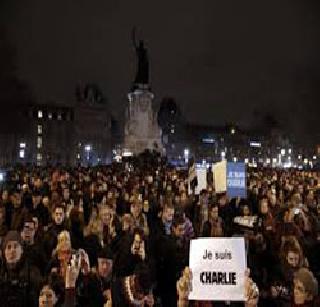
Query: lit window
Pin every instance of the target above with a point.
(172, 131)
(59, 116)
(39, 129)
(39, 142)
(21, 154)
(40, 114)
(233, 131)
(78, 156)
(50, 115)
(22, 145)
(39, 156)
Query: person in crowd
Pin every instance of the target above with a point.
(119, 234)
(214, 226)
(33, 252)
(58, 224)
(19, 280)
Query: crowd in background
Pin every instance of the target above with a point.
(119, 235)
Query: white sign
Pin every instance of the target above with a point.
(201, 174)
(220, 176)
(202, 180)
(218, 269)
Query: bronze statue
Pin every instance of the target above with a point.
(142, 74)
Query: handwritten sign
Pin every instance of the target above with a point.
(218, 269)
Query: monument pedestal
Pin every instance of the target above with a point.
(141, 126)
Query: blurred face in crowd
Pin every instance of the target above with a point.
(106, 215)
(66, 194)
(177, 199)
(36, 223)
(36, 199)
(5, 195)
(137, 242)
(214, 213)
(273, 200)
(58, 216)
(222, 201)
(13, 252)
(167, 215)
(293, 259)
(109, 195)
(38, 183)
(136, 208)
(246, 211)
(104, 267)
(64, 252)
(179, 230)
(28, 232)
(47, 297)
(45, 201)
(264, 206)
(126, 222)
(16, 200)
(184, 198)
(300, 294)
(2, 215)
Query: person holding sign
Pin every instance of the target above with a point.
(218, 269)
(184, 285)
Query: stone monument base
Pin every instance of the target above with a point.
(141, 126)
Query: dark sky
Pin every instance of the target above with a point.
(221, 60)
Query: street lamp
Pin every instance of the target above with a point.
(88, 149)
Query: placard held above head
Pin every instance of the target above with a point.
(218, 269)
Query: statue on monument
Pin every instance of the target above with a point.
(142, 75)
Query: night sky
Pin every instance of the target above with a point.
(223, 61)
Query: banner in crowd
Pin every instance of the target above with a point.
(220, 179)
(218, 269)
(236, 180)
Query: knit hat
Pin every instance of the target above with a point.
(105, 253)
(309, 281)
(11, 236)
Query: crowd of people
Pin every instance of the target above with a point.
(119, 235)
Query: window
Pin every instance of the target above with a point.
(39, 142)
(39, 156)
(39, 129)
(40, 114)
(172, 131)
(21, 154)
(22, 145)
(59, 116)
(50, 115)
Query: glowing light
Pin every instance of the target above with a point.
(87, 148)
(255, 144)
